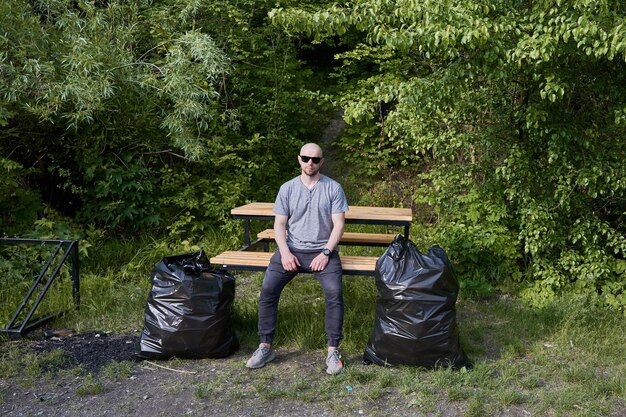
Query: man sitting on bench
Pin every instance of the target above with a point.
(312, 207)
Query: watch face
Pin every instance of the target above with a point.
(326, 252)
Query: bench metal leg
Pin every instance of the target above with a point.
(246, 232)
(75, 274)
(42, 284)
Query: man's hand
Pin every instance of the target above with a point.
(289, 261)
(319, 262)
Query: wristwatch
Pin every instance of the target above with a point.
(326, 251)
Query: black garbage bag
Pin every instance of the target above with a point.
(188, 312)
(415, 309)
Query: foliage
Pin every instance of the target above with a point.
(78, 64)
(103, 99)
(511, 116)
(121, 191)
(18, 204)
(501, 123)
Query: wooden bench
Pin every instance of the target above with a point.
(389, 216)
(248, 258)
(258, 261)
(348, 238)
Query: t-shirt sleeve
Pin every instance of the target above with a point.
(340, 202)
(281, 205)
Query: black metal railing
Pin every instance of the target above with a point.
(66, 249)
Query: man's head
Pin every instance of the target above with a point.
(311, 159)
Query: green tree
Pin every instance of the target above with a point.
(18, 203)
(506, 117)
(153, 113)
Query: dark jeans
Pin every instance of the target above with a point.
(275, 280)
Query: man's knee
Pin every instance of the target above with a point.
(332, 283)
(270, 289)
(333, 295)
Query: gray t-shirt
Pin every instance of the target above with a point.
(310, 211)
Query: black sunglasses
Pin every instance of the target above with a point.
(316, 159)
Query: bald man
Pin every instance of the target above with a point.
(311, 208)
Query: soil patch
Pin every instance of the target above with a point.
(197, 387)
(90, 351)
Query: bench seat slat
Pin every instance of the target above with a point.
(363, 213)
(347, 238)
(234, 259)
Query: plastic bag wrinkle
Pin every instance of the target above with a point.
(188, 311)
(415, 320)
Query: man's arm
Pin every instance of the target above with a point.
(339, 221)
(321, 260)
(289, 261)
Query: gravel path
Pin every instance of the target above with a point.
(215, 387)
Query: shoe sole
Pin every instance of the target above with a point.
(262, 364)
(334, 373)
(338, 371)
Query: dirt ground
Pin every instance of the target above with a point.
(207, 387)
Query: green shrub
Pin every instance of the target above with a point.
(19, 204)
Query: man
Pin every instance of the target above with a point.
(311, 208)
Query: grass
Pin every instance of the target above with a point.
(20, 265)
(207, 389)
(90, 386)
(563, 360)
(567, 359)
(117, 371)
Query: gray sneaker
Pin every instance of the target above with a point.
(260, 357)
(333, 362)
